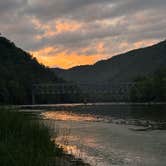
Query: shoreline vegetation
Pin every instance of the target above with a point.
(26, 141)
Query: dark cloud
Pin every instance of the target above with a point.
(8, 5)
(88, 10)
(60, 8)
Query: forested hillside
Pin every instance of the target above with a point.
(18, 71)
(121, 68)
(150, 89)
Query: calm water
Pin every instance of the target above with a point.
(102, 136)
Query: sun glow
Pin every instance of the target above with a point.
(63, 59)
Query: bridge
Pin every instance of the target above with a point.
(112, 91)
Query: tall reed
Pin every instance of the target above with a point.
(25, 141)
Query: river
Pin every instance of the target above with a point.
(103, 135)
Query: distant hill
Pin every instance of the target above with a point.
(121, 68)
(18, 71)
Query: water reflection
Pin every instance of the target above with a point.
(68, 116)
(86, 133)
(82, 147)
(118, 111)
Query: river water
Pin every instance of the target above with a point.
(103, 135)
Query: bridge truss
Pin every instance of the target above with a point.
(116, 91)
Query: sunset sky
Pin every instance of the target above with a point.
(66, 33)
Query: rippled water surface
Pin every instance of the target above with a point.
(102, 135)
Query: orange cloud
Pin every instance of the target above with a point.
(100, 47)
(63, 59)
(144, 43)
(49, 30)
(49, 57)
(63, 26)
(55, 27)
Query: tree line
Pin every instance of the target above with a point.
(150, 88)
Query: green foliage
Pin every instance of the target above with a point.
(25, 142)
(150, 89)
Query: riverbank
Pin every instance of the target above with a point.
(24, 140)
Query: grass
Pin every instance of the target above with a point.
(25, 142)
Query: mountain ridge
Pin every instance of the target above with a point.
(118, 68)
